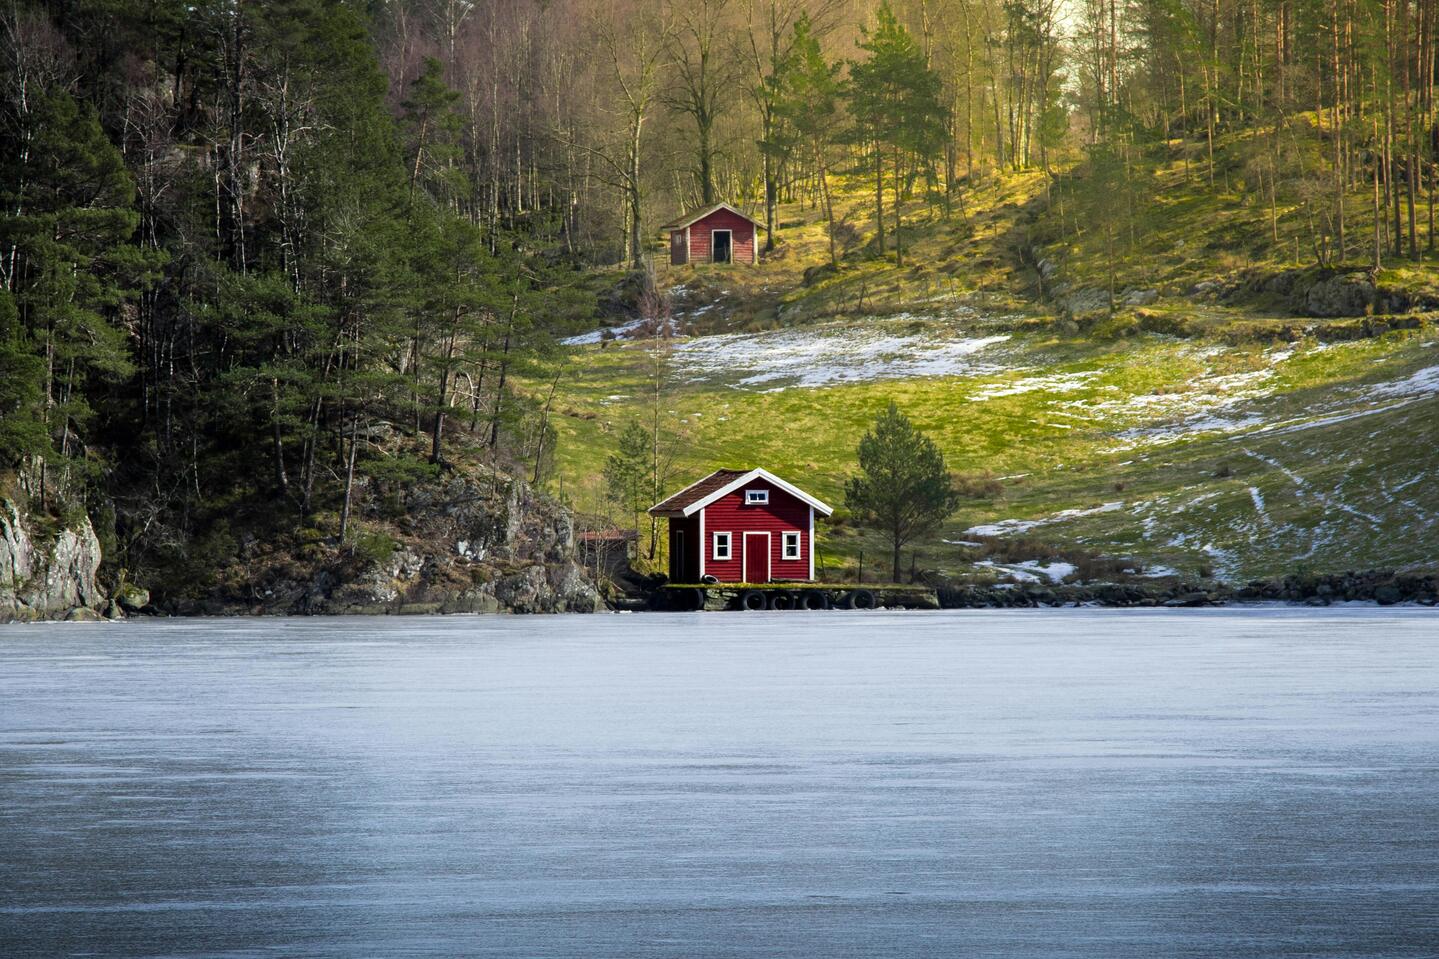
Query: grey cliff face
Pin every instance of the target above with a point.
(46, 579)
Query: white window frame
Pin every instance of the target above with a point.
(756, 497)
(790, 545)
(715, 546)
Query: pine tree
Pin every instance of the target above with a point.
(904, 489)
(22, 390)
(70, 268)
(629, 471)
(895, 102)
(433, 127)
(807, 107)
(460, 302)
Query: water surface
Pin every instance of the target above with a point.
(1037, 784)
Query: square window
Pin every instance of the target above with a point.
(791, 546)
(756, 496)
(721, 547)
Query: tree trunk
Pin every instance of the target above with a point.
(1338, 134)
(1378, 206)
(636, 238)
(770, 192)
(544, 428)
(349, 477)
(282, 482)
(879, 195)
(308, 467)
(706, 158)
(504, 369)
(898, 237)
(828, 205)
(437, 430)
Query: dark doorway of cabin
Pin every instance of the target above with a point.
(722, 242)
(681, 565)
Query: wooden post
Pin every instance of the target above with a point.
(859, 578)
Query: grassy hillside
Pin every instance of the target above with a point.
(1225, 437)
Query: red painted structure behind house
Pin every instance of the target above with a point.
(717, 234)
(741, 526)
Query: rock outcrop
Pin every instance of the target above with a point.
(1384, 587)
(1322, 293)
(1131, 594)
(1088, 300)
(47, 575)
(1347, 294)
(460, 545)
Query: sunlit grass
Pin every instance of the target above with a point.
(1297, 469)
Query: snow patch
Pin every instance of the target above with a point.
(596, 336)
(1193, 426)
(1305, 488)
(1031, 570)
(1054, 383)
(1209, 405)
(1225, 562)
(1411, 389)
(1009, 527)
(823, 356)
(1422, 383)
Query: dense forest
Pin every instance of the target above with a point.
(252, 252)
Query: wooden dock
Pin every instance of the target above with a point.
(787, 596)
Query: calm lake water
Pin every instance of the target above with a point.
(1040, 784)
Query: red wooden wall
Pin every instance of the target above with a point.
(742, 240)
(784, 513)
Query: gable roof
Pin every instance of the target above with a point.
(696, 491)
(700, 494)
(695, 217)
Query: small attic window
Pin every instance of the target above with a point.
(756, 497)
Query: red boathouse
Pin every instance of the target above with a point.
(716, 234)
(741, 526)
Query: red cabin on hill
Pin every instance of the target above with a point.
(741, 526)
(717, 234)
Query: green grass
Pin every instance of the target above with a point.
(1308, 469)
(1188, 502)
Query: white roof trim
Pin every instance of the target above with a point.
(687, 221)
(750, 477)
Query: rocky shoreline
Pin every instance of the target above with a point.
(466, 546)
(1381, 587)
(459, 545)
